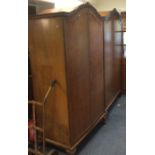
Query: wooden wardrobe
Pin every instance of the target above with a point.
(68, 48)
(112, 55)
(123, 15)
(31, 11)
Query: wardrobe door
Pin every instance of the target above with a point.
(78, 70)
(96, 65)
(117, 54)
(109, 62)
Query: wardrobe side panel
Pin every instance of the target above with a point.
(117, 54)
(96, 65)
(46, 47)
(109, 63)
(77, 58)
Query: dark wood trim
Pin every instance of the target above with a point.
(31, 10)
(90, 129)
(30, 75)
(113, 100)
(115, 12)
(119, 45)
(120, 31)
(85, 134)
(111, 14)
(104, 98)
(66, 76)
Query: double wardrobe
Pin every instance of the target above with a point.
(81, 51)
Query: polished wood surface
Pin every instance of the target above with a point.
(81, 51)
(123, 15)
(85, 70)
(46, 46)
(68, 47)
(118, 52)
(109, 63)
(96, 65)
(31, 11)
(112, 55)
(30, 89)
(77, 58)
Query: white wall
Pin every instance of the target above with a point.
(106, 5)
(68, 5)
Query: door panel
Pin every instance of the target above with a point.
(78, 70)
(96, 66)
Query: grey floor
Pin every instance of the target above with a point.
(108, 139)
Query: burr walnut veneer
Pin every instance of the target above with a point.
(68, 48)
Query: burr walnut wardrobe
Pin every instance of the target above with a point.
(68, 48)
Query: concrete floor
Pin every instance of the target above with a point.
(108, 139)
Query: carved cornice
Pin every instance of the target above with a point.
(67, 14)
